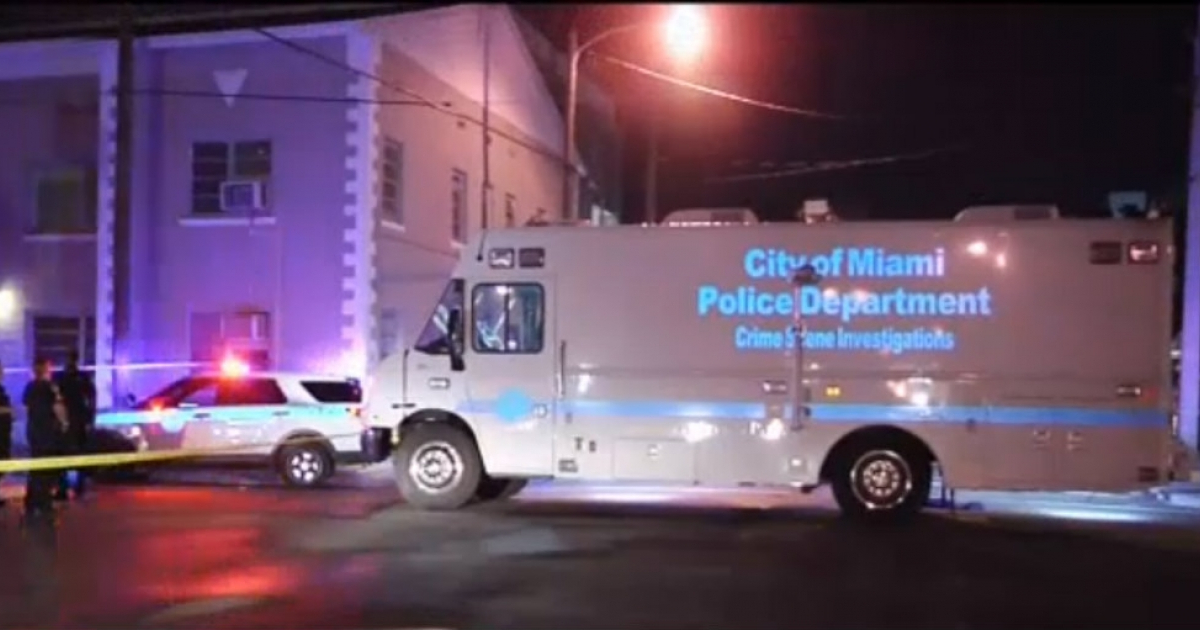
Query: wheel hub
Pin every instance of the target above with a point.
(881, 480)
(436, 467)
(305, 466)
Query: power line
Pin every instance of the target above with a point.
(300, 98)
(440, 108)
(821, 167)
(730, 96)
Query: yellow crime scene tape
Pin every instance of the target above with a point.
(71, 462)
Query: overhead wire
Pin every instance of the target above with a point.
(718, 93)
(676, 81)
(820, 167)
(442, 108)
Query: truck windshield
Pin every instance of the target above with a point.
(434, 338)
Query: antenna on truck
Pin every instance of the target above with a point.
(482, 240)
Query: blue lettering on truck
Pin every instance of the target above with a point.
(839, 316)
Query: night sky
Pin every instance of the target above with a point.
(1042, 104)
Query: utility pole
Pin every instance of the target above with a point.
(123, 186)
(651, 216)
(485, 206)
(569, 197)
(1189, 345)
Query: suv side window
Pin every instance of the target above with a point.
(201, 392)
(241, 392)
(334, 392)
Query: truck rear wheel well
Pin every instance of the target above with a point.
(878, 435)
(437, 415)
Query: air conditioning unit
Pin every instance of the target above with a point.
(242, 195)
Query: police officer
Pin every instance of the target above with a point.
(6, 424)
(79, 396)
(45, 428)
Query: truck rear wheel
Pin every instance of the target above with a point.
(499, 488)
(437, 467)
(881, 482)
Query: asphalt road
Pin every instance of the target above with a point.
(257, 556)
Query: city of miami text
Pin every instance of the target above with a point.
(850, 309)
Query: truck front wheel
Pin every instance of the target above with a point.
(437, 467)
(881, 482)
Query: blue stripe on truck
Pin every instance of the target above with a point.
(514, 407)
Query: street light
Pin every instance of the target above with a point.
(684, 33)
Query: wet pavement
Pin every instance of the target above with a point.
(251, 555)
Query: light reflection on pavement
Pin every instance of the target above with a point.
(565, 555)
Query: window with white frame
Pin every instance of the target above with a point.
(391, 191)
(458, 206)
(215, 163)
(55, 337)
(510, 210)
(65, 201)
(243, 333)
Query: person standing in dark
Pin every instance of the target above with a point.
(79, 397)
(45, 428)
(6, 425)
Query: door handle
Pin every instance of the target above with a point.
(280, 414)
(1041, 435)
(201, 416)
(774, 387)
(560, 375)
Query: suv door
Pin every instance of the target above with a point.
(252, 416)
(190, 401)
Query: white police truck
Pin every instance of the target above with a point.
(1006, 349)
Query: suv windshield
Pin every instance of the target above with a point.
(434, 338)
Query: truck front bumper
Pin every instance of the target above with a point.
(376, 444)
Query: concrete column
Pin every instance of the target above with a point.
(1189, 375)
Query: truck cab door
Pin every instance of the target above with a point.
(511, 368)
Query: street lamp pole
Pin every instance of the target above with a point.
(685, 34)
(568, 206)
(575, 52)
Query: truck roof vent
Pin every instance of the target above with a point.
(707, 217)
(1008, 213)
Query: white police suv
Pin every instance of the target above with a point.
(302, 425)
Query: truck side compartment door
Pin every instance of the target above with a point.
(1020, 445)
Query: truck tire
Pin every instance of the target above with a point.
(499, 488)
(881, 482)
(437, 467)
(306, 465)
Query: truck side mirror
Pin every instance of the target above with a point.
(130, 399)
(453, 326)
(806, 276)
